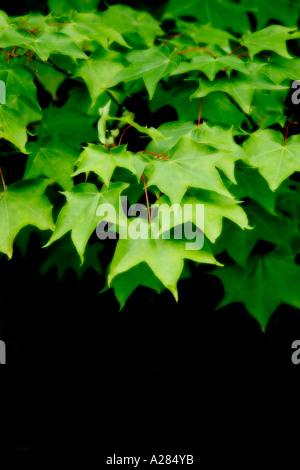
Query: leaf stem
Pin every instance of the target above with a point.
(200, 112)
(2, 180)
(287, 129)
(130, 125)
(232, 52)
(197, 48)
(147, 199)
(158, 155)
(57, 24)
(242, 54)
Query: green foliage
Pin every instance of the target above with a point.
(70, 76)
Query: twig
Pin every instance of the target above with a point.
(2, 180)
(147, 200)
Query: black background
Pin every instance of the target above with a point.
(157, 376)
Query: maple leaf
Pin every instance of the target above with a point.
(59, 7)
(86, 27)
(214, 136)
(206, 34)
(189, 164)
(79, 213)
(130, 23)
(63, 256)
(219, 13)
(252, 185)
(275, 159)
(266, 282)
(276, 229)
(272, 38)
(12, 127)
(124, 284)
(210, 66)
(23, 203)
(216, 207)
(241, 88)
(50, 78)
(18, 81)
(99, 71)
(265, 10)
(164, 257)
(279, 69)
(150, 64)
(52, 158)
(103, 162)
(69, 124)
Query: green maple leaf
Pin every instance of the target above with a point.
(164, 257)
(21, 106)
(18, 81)
(263, 285)
(215, 136)
(79, 213)
(206, 34)
(219, 13)
(71, 124)
(141, 275)
(103, 162)
(128, 118)
(190, 164)
(86, 27)
(132, 24)
(216, 207)
(55, 43)
(45, 44)
(241, 88)
(99, 71)
(151, 65)
(216, 106)
(4, 22)
(59, 7)
(275, 159)
(63, 256)
(276, 229)
(52, 158)
(265, 10)
(267, 108)
(12, 127)
(23, 203)
(251, 184)
(272, 38)
(49, 77)
(210, 66)
(279, 69)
